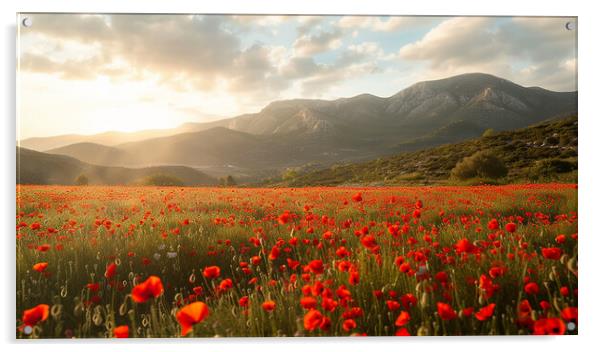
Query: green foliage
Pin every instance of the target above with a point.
(519, 150)
(289, 174)
(551, 140)
(82, 180)
(227, 181)
(484, 164)
(413, 176)
(550, 168)
(162, 180)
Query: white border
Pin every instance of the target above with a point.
(590, 133)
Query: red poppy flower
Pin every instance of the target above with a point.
(309, 302)
(465, 246)
(485, 312)
(284, 218)
(357, 197)
(368, 241)
(40, 267)
(190, 315)
(488, 288)
(445, 311)
(354, 278)
(467, 311)
(352, 313)
(532, 288)
(393, 305)
(43, 248)
(316, 266)
(402, 332)
(121, 332)
(402, 319)
(329, 304)
(342, 252)
(553, 253)
(511, 227)
(564, 291)
(325, 324)
(225, 285)
(312, 320)
(255, 260)
(549, 326)
(111, 270)
(268, 306)
(524, 313)
(349, 324)
(274, 253)
(93, 287)
(496, 271)
(243, 301)
(493, 224)
(35, 315)
(212, 272)
(293, 264)
(569, 314)
(408, 300)
(151, 288)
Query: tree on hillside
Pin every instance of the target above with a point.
(289, 174)
(483, 164)
(550, 168)
(228, 181)
(82, 180)
(162, 180)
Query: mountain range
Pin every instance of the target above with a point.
(42, 168)
(542, 152)
(291, 133)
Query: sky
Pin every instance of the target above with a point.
(87, 74)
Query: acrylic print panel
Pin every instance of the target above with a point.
(235, 175)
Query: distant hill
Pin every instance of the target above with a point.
(291, 133)
(110, 138)
(521, 150)
(42, 168)
(92, 153)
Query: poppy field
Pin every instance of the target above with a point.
(117, 261)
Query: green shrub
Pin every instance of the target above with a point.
(162, 180)
(228, 181)
(289, 174)
(413, 176)
(551, 140)
(482, 164)
(82, 180)
(550, 168)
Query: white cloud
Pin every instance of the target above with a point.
(217, 62)
(529, 51)
(311, 44)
